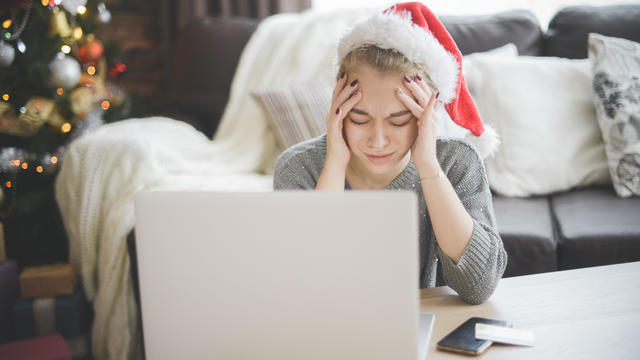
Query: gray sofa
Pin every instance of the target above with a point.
(578, 228)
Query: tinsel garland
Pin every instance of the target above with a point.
(12, 158)
(15, 161)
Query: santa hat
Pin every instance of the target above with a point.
(414, 31)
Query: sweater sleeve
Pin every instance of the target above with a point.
(298, 167)
(483, 261)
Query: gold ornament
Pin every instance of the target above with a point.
(6, 114)
(101, 73)
(9, 123)
(59, 23)
(81, 101)
(38, 110)
(96, 81)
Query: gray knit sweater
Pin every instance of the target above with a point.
(482, 264)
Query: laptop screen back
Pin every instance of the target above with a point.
(280, 275)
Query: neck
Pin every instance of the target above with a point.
(360, 178)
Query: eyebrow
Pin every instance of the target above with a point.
(395, 114)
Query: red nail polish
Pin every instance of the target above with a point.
(438, 94)
(407, 79)
(337, 111)
(418, 77)
(354, 82)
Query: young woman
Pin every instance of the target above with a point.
(381, 134)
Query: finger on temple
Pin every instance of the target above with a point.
(410, 103)
(346, 93)
(417, 90)
(351, 102)
(339, 85)
(425, 87)
(432, 101)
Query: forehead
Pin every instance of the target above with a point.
(371, 78)
(378, 89)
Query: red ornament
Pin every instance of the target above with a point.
(91, 51)
(117, 69)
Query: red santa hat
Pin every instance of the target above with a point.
(414, 31)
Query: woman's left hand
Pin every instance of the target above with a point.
(422, 103)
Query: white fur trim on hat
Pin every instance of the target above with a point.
(395, 31)
(486, 144)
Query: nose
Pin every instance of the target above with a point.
(378, 139)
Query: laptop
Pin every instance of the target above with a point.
(280, 275)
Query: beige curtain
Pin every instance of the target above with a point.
(189, 10)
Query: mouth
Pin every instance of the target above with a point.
(378, 158)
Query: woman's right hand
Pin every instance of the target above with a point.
(345, 96)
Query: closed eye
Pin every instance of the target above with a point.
(402, 124)
(358, 122)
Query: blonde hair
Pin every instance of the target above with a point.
(383, 60)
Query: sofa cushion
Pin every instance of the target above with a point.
(525, 227)
(476, 33)
(595, 227)
(569, 28)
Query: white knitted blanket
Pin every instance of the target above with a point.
(102, 171)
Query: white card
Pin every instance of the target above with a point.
(504, 335)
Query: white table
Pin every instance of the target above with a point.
(591, 313)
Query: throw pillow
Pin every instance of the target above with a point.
(616, 93)
(297, 112)
(542, 110)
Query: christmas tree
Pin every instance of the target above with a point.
(55, 85)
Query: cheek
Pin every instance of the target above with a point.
(408, 134)
(413, 130)
(353, 133)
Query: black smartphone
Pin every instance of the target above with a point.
(463, 338)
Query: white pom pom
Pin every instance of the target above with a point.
(487, 143)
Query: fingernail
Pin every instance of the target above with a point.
(354, 82)
(337, 111)
(407, 79)
(342, 76)
(437, 94)
(418, 77)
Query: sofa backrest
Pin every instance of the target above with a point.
(477, 33)
(207, 51)
(567, 33)
(205, 57)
